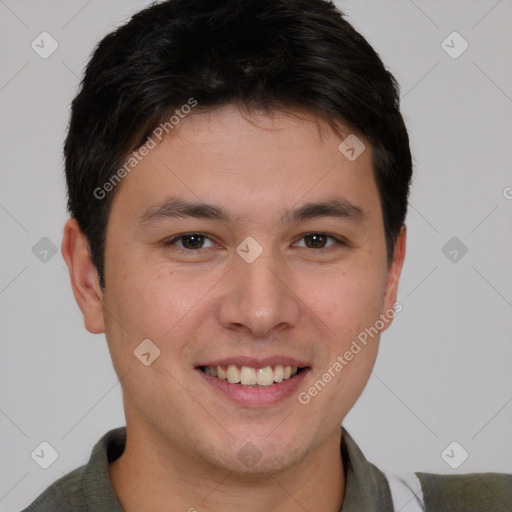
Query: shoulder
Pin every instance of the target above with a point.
(59, 495)
(87, 488)
(478, 492)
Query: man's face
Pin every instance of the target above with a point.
(212, 299)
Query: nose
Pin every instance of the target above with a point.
(259, 298)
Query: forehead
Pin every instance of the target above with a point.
(250, 162)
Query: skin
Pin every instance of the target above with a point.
(294, 301)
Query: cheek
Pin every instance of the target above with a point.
(157, 302)
(347, 301)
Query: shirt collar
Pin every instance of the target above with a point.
(95, 480)
(366, 486)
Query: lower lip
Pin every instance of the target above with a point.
(257, 396)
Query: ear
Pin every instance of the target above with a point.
(84, 277)
(394, 272)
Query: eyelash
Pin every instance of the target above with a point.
(338, 242)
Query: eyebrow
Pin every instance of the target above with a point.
(173, 207)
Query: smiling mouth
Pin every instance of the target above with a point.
(249, 376)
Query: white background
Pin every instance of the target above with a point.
(444, 369)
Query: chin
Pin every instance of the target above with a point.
(254, 454)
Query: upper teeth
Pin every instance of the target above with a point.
(248, 376)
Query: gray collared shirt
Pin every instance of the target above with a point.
(88, 488)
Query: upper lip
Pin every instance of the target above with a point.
(254, 362)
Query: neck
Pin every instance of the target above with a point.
(147, 477)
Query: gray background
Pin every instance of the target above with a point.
(443, 372)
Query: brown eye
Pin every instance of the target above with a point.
(319, 241)
(315, 241)
(192, 241)
(189, 242)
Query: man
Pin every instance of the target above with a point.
(238, 174)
